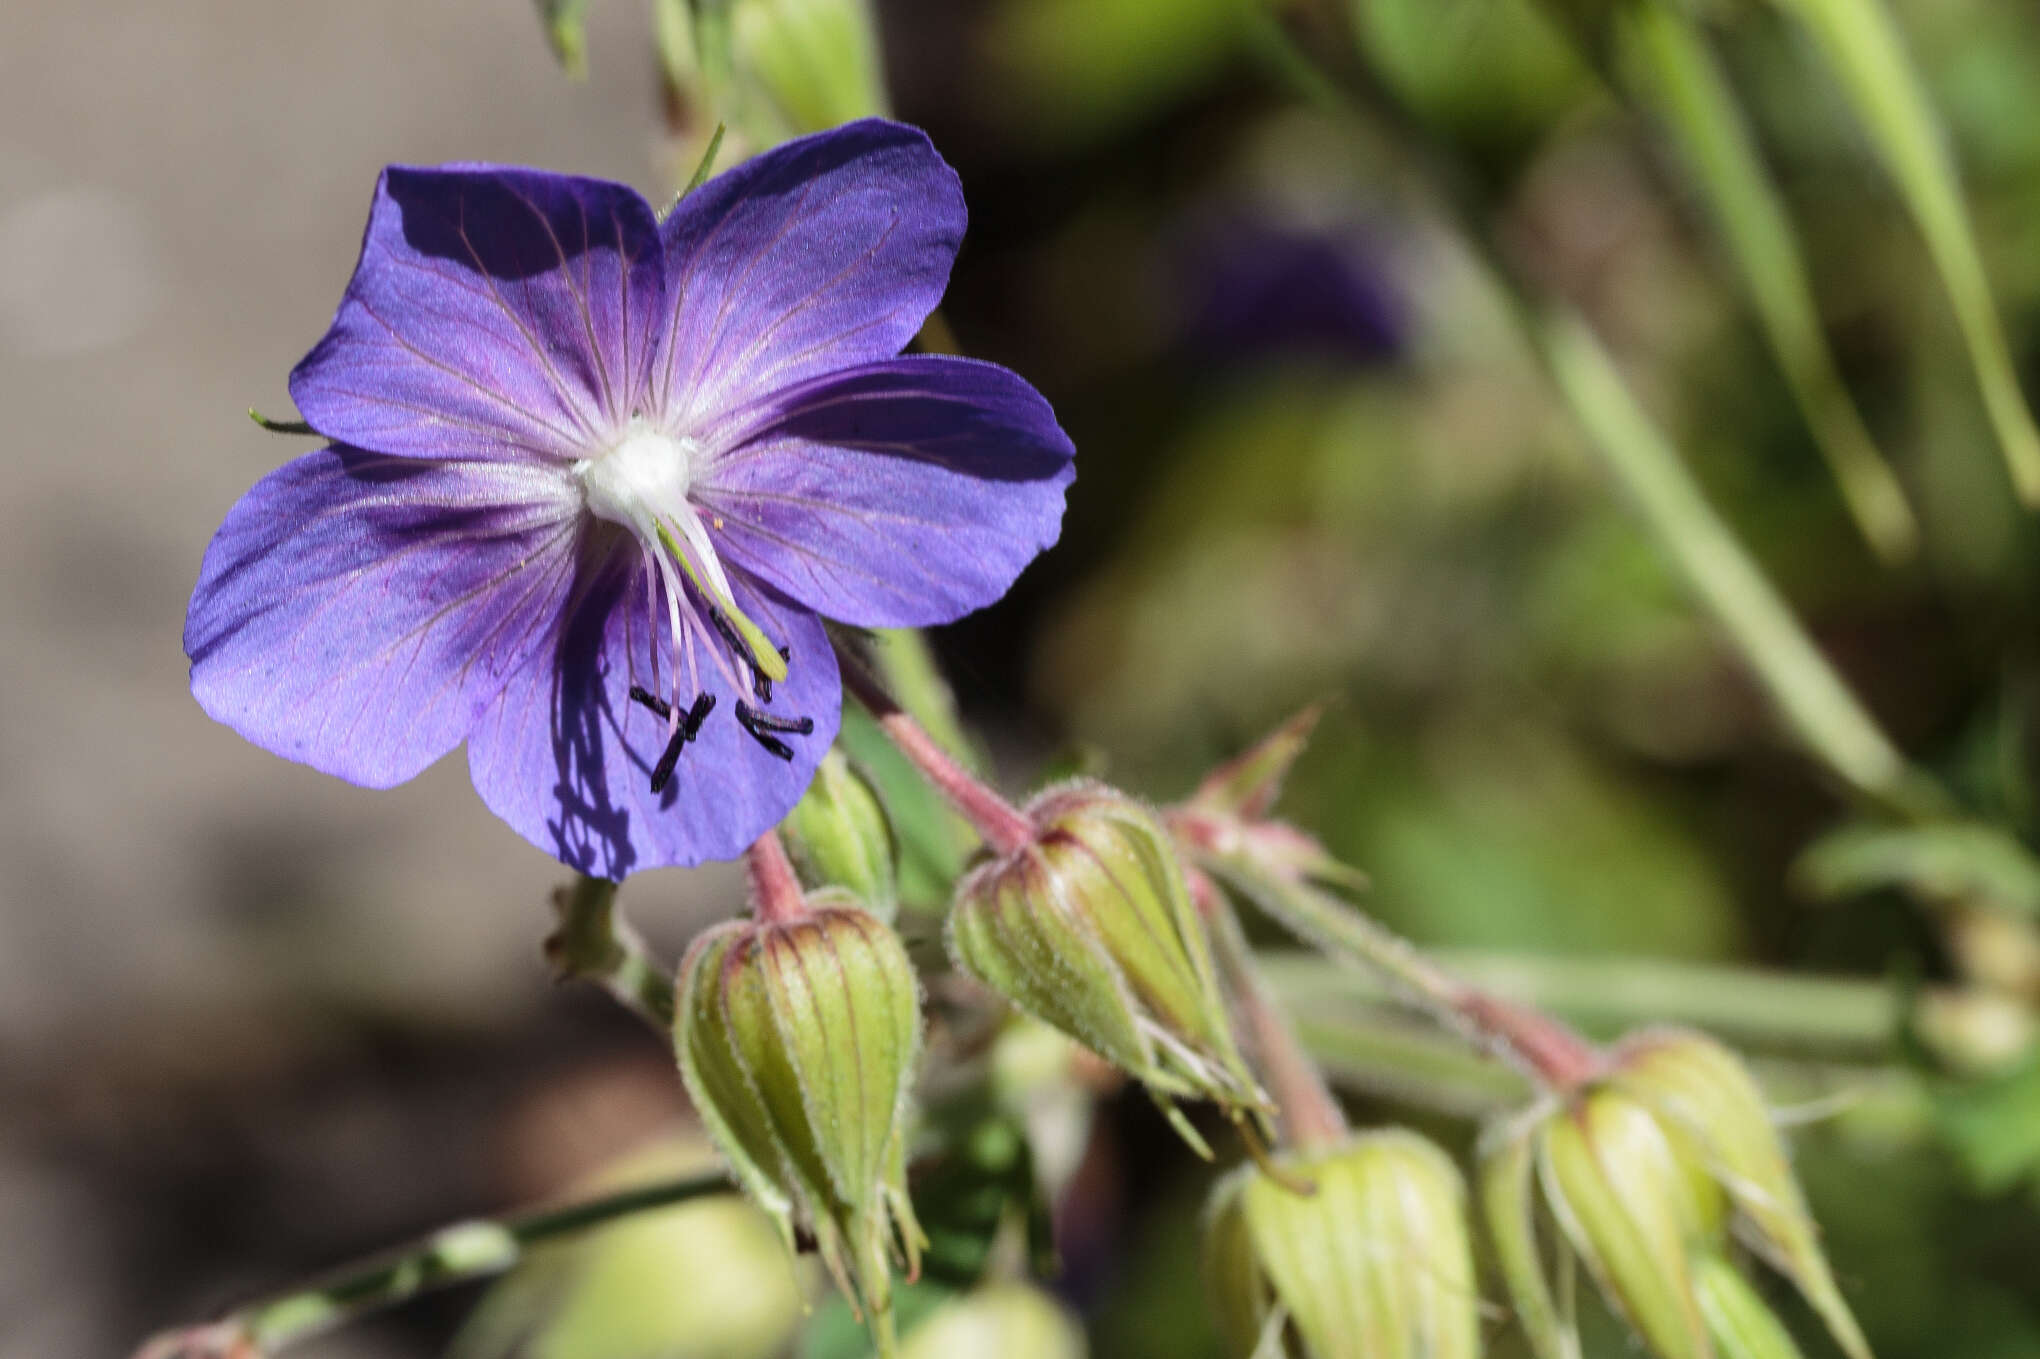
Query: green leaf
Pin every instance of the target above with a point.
(1671, 67)
(1948, 861)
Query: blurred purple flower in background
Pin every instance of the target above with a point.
(1252, 286)
(594, 476)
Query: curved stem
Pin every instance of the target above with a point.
(1538, 1045)
(1001, 824)
(595, 943)
(455, 1254)
(1311, 1117)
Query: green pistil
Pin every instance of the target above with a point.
(765, 657)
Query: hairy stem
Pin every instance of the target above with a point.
(1001, 824)
(595, 943)
(455, 1254)
(1541, 1047)
(776, 896)
(1311, 1117)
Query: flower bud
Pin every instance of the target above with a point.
(1740, 1322)
(1645, 1173)
(774, 69)
(839, 836)
(798, 1040)
(1090, 928)
(1375, 1263)
(998, 1321)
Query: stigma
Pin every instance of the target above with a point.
(642, 479)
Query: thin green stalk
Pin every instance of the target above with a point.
(1811, 696)
(1775, 1011)
(595, 943)
(455, 1254)
(1864, 48)
(1539, 1046)
(1808, 693)
(1668, 63)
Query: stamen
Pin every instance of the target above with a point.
(761, 726)
(662, 772)
(658, 705)
(689, 728)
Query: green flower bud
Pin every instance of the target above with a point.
(1645, 1174)
(1374, 1264)
(839, 837)
(773, 69)
(1701, 1087)
(998, 1321)
(798, 1040)
(1740, 1322)
(1090, 928)
(1635, 1206)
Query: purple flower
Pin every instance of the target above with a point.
(594, 476)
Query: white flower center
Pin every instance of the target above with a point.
(642, 483)
(642, 479)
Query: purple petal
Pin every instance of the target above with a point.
(495, 313)
(826, 252)
(895, 494)
(355, 612)
(565, 756)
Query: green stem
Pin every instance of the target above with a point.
(1539, 1046)
(1773, 1011)
(1814, 701)
(1672, 68)
(1862, 43)
(455, 1254)
(595, 943)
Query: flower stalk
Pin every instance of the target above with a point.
(595, 943)
(1310, 1116)
(455, 1254)
(1541, 1047)
(776, 895)
(1001, 824)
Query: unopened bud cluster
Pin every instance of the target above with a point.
(1643, 1177)
(1090, 927)
(1372, 1262)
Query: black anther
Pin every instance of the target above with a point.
(761, 727)
(687, 730)
(651, 700)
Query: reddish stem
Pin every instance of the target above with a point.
(1559, 1058)
(1001, 824)
(1310, 1115)
(776, 894)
